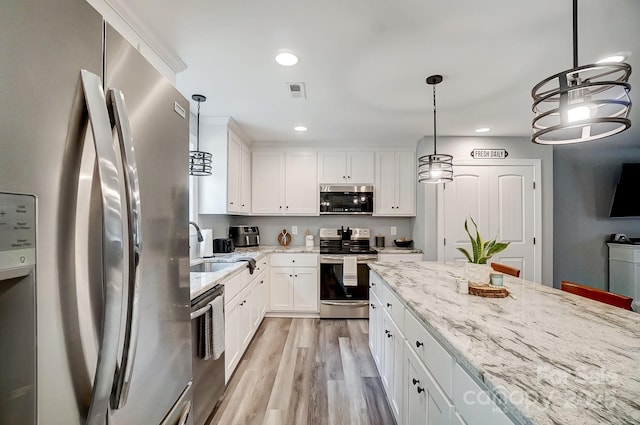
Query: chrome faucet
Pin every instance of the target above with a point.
(200, 238)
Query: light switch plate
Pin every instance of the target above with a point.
(294, 230)
(394, 230)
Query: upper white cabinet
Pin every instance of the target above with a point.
(395, 184)
(346, 167)
(228, 189)
(284, 183)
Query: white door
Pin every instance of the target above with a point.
(385, 188)
(360, 167)
(406, 185)
(281, 288)
(332, 168)
(245, 180)
(234, 171)
(502, 201)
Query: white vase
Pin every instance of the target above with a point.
(477, 274)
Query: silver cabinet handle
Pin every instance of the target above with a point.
(112, 246)
(348, 303)
(129, 341)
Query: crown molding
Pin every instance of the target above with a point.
(166, 54)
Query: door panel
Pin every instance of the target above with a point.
(301, 186)
(466, 196)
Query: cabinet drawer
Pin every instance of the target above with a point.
(392, 305)
(261, 265)
(439, 362)
(294, 260)
(237, 283)
(473, 402)
(375, 283)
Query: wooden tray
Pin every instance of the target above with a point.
(488, 291)
(284, 238)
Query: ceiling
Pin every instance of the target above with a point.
(364, 62)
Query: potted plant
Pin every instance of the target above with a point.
(476, 269)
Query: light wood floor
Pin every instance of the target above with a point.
(306, 372)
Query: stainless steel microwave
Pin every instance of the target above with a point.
(346, 200)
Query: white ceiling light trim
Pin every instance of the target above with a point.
(286, 58)
(581, 104)
(300, 128)
(483, 129)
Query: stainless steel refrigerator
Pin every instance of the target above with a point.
(94, 314)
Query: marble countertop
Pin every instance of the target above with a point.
(552, 357)
(201, 282)
(397, 250)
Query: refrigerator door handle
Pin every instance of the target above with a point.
(129, 341)
(112, 246)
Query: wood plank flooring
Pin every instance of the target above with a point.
(306, 372)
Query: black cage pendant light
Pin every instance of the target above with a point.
(581, 104)
(199, 161)
(437, 167)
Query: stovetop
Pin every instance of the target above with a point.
(346, 247)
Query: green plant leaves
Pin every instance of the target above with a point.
(482, 250)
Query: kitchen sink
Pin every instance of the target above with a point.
(211, 267)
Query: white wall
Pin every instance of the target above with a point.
(425, 224)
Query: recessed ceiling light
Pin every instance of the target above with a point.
(483, 129)
(300, 128)
(614, 58)
(286, 59)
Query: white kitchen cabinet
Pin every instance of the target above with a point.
(294, 283)
(228, 189)
(425, 402)
(375, 325)
(395, 184)
(284, 183)
(346, 168)
(400, 258)
(237, 330)
(392, 365)
(624, 271)
(259, 298)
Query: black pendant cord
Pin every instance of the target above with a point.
(434, 119)
(198, 130)
(575, 33)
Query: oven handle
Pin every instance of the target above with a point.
(201, 311)
(346, 303)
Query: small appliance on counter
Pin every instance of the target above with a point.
(206, 246)
(223, 245)
(244, 236)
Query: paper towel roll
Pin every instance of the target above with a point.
(206, 246)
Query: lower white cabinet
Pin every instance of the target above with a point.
(426, 404)
(237, 330)
(392, 363)
(259, 297)
(294, 283)
(423, 383)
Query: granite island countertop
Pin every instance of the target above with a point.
(552, 357)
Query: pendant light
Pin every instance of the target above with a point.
(199, 161)
(581, 104)
(437, 167)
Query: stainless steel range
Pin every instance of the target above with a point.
(344, 273)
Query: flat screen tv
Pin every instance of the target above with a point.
(626, 198)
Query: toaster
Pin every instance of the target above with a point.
(244, 235)
(223, 245)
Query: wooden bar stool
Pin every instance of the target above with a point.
(597, 294)
(502, 268)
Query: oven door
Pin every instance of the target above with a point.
(338, 300)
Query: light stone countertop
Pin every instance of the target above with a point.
(201, 282)
(397, 250)
(552, 357)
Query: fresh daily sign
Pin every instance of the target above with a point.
(489, 153)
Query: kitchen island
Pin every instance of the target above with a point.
(545, 356)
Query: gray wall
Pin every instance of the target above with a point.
(585, 178)
(425, 224)
(270, 227)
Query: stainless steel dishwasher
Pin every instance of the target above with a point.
(208, 375)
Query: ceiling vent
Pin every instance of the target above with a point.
(297, 90)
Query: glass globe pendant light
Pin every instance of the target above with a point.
(581, 104)
(436, 167)
(199, 161)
